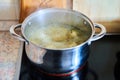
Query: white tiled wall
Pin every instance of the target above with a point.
(9, 9)
(99, 10)
(9, 13)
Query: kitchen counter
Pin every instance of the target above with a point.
(105, 48)
(9, 56)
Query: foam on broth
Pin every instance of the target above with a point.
(58, 36)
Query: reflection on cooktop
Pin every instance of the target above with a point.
(102, 63)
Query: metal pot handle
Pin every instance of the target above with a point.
(14, 34)
(101, 34)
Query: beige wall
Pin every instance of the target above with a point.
(106, 12)
(100, 10)
(9, 13)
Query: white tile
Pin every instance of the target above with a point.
(7, 13)
(9, 9)
(7, 1)
(17, 9)
(1, 24)
(17, 12)
(5, 25)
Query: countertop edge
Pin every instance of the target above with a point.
(18, 63)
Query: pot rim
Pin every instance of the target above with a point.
(58, 9)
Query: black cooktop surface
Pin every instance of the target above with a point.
(103, 63)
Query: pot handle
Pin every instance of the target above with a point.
(14, 34)
(99, 35)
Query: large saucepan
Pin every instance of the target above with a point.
(57, 60)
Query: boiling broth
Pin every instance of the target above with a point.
(58, 36)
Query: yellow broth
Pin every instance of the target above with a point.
(58, 36)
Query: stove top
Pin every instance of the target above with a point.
(103, 63)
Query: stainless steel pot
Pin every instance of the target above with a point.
(57, 60)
